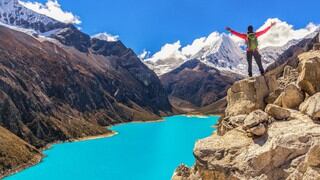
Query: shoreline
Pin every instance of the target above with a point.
(38, 158)
(34, 161)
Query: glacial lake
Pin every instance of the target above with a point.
(140, 151)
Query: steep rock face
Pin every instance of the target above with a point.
(309, 65)
(51, 92)
(249, 94)
(16, 154)
(71, 36)
(198, 83)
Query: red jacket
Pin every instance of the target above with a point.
(244, 36)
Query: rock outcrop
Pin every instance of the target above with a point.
(309, 78)
(269, 132)
(248, 95)
(276, 156)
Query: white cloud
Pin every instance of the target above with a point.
(169, 51)
(176, 51)
(106, 37)
(282, 33)
(52, 9)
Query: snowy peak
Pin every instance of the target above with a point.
(217, 50)
(224, 54)
(106, 37)
(15, 14)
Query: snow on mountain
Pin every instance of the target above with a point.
(106, 37)
(223, 54)
(52, 9)
(15, 14)
(227, 52)
(217, 50)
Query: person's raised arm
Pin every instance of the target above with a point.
(259, 33)
(240, 35)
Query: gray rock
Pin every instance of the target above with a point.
(291, 97)
(311, 106)
(255, 118)
(309, 78)
(277, 112)
(259, 130)
(248, 95)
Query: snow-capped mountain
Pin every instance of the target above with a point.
(223, 54)
(106, 37)
(12, 12)
(226, 52)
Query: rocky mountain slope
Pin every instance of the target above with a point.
(198, 83)
(59, 84)
(53, 92)
(271, 127)
(16, 154)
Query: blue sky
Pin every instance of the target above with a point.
(149, 24)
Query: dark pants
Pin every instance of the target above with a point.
(257, 58)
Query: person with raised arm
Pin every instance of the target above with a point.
(251, 39)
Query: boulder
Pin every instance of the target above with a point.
(238, 120)
(291, 97)
(311, 106)
(309, 78)
(259, 130)
(228, 123)
(248, 95)
(313, 156)
(255, 118)
(277, 112)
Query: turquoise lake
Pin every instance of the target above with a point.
(141, 151)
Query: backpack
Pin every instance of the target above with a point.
(252, 41)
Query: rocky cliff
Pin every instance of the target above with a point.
(270, 130)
